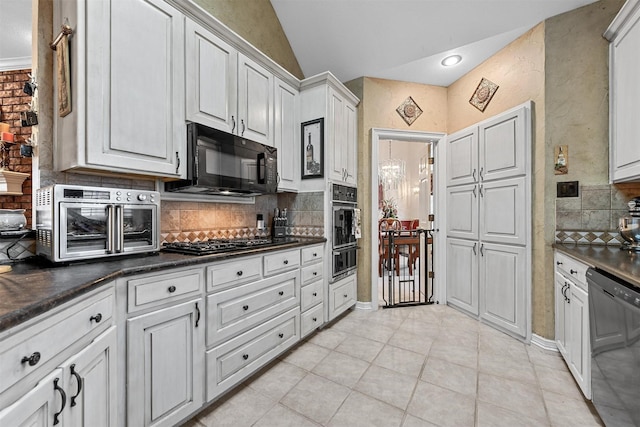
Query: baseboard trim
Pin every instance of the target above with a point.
(364, 305)
(544, 343)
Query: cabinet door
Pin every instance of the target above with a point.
(255, 101)
(462, 157)
(462, 274)
(211, 79)
(342, 296)
(502, 143)
(561, 323)
(462, 212)
(165, 364)
(90, 382)
(38, 407)
(135, 87)
(503, 291)
(287, 140)
(579, 346)
(624, 99)
(334, 133)
(503, 210)
(351, 143)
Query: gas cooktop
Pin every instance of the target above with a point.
(216, 246)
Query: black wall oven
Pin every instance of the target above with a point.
(343, 231)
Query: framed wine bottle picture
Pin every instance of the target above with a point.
(313, 149)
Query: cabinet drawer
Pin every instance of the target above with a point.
(281, 261)
(43, 341)
(311, 254)
(312, 273)
(233, 273)
(342, 295)
(572, 268)
(311, 295)
(157, 289)
(234, 360)
(311, 320)
(235, 310)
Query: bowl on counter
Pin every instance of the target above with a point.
(12, 219)
(629, 228)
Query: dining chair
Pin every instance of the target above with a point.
(384, 250)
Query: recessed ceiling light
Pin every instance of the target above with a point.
(451, 60)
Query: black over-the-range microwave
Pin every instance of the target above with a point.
(226, 164)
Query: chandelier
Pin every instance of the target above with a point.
(391, 172)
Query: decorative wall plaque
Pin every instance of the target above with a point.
(409, 110)
(483, 94)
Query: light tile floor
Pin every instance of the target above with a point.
(410, 367)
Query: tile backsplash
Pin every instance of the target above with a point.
(193, 221)
(592, 217)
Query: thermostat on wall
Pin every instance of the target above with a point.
(567, 189)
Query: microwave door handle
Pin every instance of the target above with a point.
(111, 226)
(119, 228)
(261, 167)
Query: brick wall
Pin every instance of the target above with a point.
(13, 101)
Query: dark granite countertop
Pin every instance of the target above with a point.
(619, 262)
(36, 286)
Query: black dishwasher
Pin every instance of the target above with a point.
(614, 321)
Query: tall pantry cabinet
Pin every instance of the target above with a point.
(489, 220)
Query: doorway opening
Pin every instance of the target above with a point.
(407, 193)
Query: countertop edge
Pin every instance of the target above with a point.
(108, 271)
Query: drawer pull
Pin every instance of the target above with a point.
(315, 319)
(286, 261)
(197, 315)
(245, 356)
(63, 395)
(97, 318)
(79, 381)
(315, 294)
(239, 273)
(171, 289)
(345, 295)
(281, 293)
(572, 271)
(315, 254)
(245, 307)
(281, 335)
(32, 360)
(558, 262)
(315, 273)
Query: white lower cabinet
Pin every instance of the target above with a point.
(342, 295)
(313, 285)
(165, 364)
(237, 358)
(62, 369)
(572, 319)
(462, 274)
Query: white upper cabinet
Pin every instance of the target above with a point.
(127, 86)
(503, 212)
(624, 94)
(286, 135)
(226, 89)
(462, 157)
(211, 78)
(502, 147)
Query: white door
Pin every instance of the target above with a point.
(503, 208)
(579, 352)
(462, 157)
(334, 133)
(503, 299)
(462, 274)
(165, 364)
(255, 101)
(502, 146)
(561, 321)
(211, 79)
(135, 99)
(287, 138)
(90, 382)
(37, 408)
(462, 211)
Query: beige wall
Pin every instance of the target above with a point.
(256, 22)
(380, 98)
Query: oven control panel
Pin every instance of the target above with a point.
(343, 193)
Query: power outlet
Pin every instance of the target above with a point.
(567, 189)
